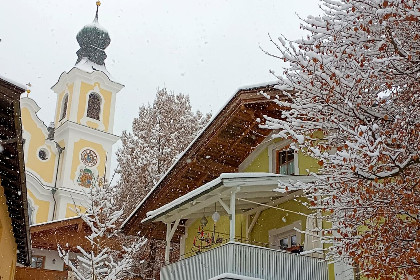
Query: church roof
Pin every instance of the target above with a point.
(93, 39)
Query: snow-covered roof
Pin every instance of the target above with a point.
(56, 221)
(259, 186)
(200, 135)
(89, 66)
(10, 81)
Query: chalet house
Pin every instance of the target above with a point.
(223, 202)
(14, 223)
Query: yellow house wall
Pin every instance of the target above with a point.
(85, 88)
(43, 208)
(45, 169)
(222, 229)
(7, 241)
(273, 219)
(307, 164)
(260, 163)
(78, 147)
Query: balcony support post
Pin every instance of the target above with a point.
(232, 217)
(170, 231)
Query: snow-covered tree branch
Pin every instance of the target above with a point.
(160, 133)
(352, 87)
(110, 255)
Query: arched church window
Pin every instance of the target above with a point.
(94, 106)
(64, 107)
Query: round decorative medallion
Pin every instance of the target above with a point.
(89, 157)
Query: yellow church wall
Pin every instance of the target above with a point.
(45, 169)
(92, 124)
(43, 208)
(70, 210)
(7, 241)
(59, 108)
(78, 147)
(85, 88)
(60, 103)
(222, 229)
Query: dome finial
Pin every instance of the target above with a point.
(98, 3)
(93, 40)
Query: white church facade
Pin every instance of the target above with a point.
(64, 158)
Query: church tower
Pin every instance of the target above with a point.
(78, 144)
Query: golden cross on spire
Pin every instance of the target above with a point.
(98, 3)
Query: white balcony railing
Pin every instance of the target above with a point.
(246, 260)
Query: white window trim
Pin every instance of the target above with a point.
(280, 233)
(34, 207)
(43, 147)
(86, 119)
(272, 155)
(97, 156)
(60, 108)
(66, 95)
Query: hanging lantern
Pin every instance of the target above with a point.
(215, 216)
(204, 221)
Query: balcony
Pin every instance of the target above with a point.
(235, 260)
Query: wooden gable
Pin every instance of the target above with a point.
(12, 166)
(223, 145)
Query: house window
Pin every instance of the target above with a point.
(94, 106)
(38, 261)
(285, 238)
(287, 241)
(285, 162)
(64, 107)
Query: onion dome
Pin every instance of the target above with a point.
(93, 39)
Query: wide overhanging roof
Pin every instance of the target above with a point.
(12, 166)
(230, 137)
(252, 190)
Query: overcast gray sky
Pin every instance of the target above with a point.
(206, 49)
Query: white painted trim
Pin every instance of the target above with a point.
(85, 118)
(47, 150)
(272, 149)
(59, 109)
(255, 153)
(112, 113)
(279, 233)
(27, 136)
(296, 162)
(97, 156)
(86, 133)
(182, 242)
(251, 226)
(75, 100)
(39, 190)
(227, 209)
(94, 76)
(34, 207)
(30, 104)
